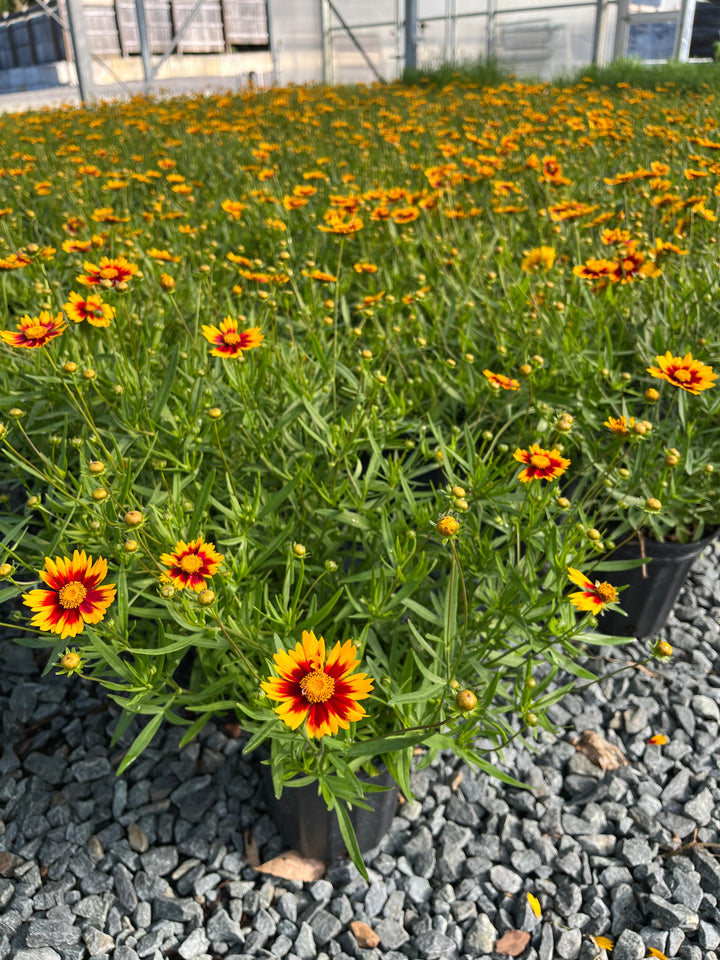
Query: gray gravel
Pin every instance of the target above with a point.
(152, 864)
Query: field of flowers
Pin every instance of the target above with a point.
(389, 364)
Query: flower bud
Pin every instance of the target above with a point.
(330, 566)
(214, 413)
(131, 546)
(653, 505)
(651, 394)
(133, 518)
(300, 550)
(466, 701)
(96, 467)
(6, 569)
(99, 493)
(458, 492)
(167, 282)
(206, 597)
(70, 660)
(663, 649)
(525, 370)
(671, 460)
(593, 534)
(167, 591)
(460, 503)
(563, 503)
(447, 526)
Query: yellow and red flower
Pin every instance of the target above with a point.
(684, 372)
(191, 564)
(593, 597)
(35, 331)
(229, 341)
(93, 309)
(322, 691)
(541, 464)
(110, 272)
(500, 380)
(75, 596)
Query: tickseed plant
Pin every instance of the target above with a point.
(319, 406)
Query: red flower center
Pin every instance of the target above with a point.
(540, 460)
(318, 686)
(606, 591)
(72, 595)
(191, 563)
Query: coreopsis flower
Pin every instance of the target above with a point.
(684, 372)
(321, 691)
(447, 526)
(14, 261)
(35, 331)
(500, 380)
(191, 563)
(233, 208)
(229, 341)
(110, 272)
(92, 308)
(540, 258)
(75, 595)
(541, 464)
(164, 255)
(336, 222)
(593, 597)
(622, 425)
(320, 275)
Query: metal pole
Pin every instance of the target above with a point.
(490, 38)
(144, 45)
(410, 34)
(599, 31)
(81, 50)
(327, 56)
(355, 42)
(174, 42)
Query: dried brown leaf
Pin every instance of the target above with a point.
(512, 943)
(293, 866)
(365, 935)
(456, 781)
(252, 855)
(600, 751)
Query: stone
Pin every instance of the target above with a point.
(160, 861)
(629, 946)
(365, 935)
(7, 892)
(97, 942)
(392, 934)
(706, 707)
(304, 946)
(48, 933)
(124, 888)
(568, 944)
(221, 928)
(505, 880)
(436, 946)
(137, 838)
(700, 808)
(194, 946)
(40, 953)
(86, 771)
(480, 937)
(325, 927)
(636, 851)
(672, 914)
(375, 898)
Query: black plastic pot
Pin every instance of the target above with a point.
(652, 588)
(306, 824)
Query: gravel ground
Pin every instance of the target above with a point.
(152, 864)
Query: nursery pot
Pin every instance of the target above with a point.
(652, 588)
(306, 824)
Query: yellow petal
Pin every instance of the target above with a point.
(654, 952)
(603, 943)
(534, 905)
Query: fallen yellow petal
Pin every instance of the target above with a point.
(534, 905)
(654, 952)
(603, 943)
(660, 740)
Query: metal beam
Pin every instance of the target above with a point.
(144, 45)
(176, 39)
(81, 50)
(410, 34)
(355, 41)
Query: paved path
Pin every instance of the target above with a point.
(52, 97)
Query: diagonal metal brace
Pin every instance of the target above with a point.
(355, 41)
(175, 40)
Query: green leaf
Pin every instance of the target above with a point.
(166, 386)
(141, 741)
(193, 730)
(348, 834)
(201, 501)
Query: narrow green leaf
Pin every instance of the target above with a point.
(141, 741)
(166, 386)
(201, 502)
